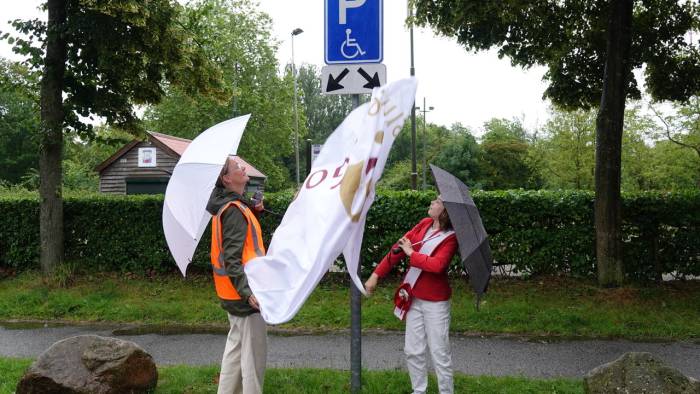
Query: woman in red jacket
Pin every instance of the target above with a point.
(429, 247)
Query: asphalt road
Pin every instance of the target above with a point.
(496, 356)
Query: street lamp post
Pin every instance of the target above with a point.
(425, 137)
(296, 32)
(414, 173)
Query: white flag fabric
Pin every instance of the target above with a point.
(327, 217)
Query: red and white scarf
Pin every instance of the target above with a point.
(430, 241)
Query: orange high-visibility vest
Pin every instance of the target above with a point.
(252, 248)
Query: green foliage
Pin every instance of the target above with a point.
(635, 151)
(506, 155)
(19, 121)
(682, 128)
(462, 156)
(672, 167)
(591, 50)
(102, 58)
(397, 176)
(454, 149)
(81, 157)
(118, 55)
(567, 150)
(543, 232)
(323, 112)
(238, 36)
(569, 38)
(11, 371)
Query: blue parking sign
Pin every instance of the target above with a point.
(354, 31)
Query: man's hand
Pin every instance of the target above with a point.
(259, 207)
(253, 302)
(371, 283)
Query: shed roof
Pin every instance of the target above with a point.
(176, 144)
(176, 147)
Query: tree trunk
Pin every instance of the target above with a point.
(609, 125)
(51, 147)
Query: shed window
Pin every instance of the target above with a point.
(155, 185)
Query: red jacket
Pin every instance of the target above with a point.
(432, 284)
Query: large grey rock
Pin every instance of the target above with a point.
(90, 364)
(637, 372)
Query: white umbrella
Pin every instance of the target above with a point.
(184, 211)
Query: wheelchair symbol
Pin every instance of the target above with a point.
(350, 43)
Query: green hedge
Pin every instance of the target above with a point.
(536, 232)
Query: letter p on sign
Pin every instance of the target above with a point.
(343, 5)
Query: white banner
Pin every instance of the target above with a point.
(327, 217)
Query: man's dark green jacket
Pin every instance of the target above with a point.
(234, 228)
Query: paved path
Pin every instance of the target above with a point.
(497, 356)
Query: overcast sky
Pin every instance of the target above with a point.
(463, 87)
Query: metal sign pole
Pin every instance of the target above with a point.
(353, 52)
(356, 318)
(414, 171)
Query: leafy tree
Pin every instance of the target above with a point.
(673, 167)
(568, 150)
(506, 163)
(462, 156)
(590, 48)
(82, 156)
(100, 58)
(677, 149)
(636, 168)
(397, 176)
(19, 121)
(429, 142)
(238, 37)
(683, 127)
(568, 153)
(454, 149)
(401, 150)
(323, 112)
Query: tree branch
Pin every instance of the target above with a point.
(668, 132)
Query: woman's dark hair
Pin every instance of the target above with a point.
(444, 220)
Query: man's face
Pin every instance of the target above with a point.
(235, 175)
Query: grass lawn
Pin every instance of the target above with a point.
(550, 306)
(182, 379)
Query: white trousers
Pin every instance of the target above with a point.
(428, 327)
(245, 356)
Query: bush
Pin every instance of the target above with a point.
(537, 232)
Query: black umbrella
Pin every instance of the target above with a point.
(471, 235)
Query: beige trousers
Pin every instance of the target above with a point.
(245, 356)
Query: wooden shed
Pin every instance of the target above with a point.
(144, 167)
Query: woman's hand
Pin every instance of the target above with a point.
(252, 301)
(406, 246)
(371, 283)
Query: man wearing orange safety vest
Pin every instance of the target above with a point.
(236, 240)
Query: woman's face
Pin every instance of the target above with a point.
(436, 208)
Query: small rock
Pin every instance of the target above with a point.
(91, 364)
(637, 372)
